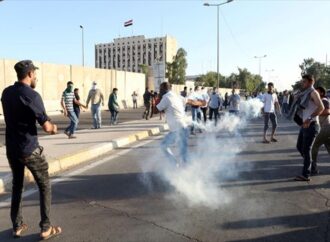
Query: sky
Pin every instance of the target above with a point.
(287, 31)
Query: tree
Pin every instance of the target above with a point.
(320, 71)
(176, 71)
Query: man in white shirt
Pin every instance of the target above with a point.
(196, 113)
(271, 104)
(234, 101)
(174, 107)
(206, 98)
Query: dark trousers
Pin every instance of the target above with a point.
(77, 111)
(134, 104)
(147, 111)
(272, 117)
(304, 145)
(38, 166)
(114, 116)
(215, 112)
(204, 111)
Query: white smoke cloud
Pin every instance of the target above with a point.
(212, 160)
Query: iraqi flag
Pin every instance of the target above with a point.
(128, 23)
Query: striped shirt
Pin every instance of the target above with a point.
(68, 98)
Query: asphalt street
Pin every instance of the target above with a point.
(121, 198)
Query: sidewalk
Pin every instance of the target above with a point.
(63, 153)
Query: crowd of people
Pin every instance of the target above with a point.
(23, 107)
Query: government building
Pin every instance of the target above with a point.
(129, 53)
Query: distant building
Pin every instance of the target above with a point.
(130, 53)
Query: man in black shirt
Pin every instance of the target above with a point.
(23, 107)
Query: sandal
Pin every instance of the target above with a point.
(51, 232)
(20, 230)
(302, 178)
(266, 141)
(274, 140)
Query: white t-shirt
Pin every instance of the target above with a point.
(174, 107)
(269, 101)
(206, 98)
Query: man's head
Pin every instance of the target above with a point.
(115, 90)
(147, 89)
(197, 88)
(307, 81)
(25, 71)
(164, 88)
(76, 90)
(69, 86)
(321, 91)
(270, 87)
(185, 88)
(214, 89)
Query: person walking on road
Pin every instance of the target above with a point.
(95, 96)
(23, 108)
(286, 101)
(134, 98)
(113, 106)
(323, 137)
(206, 98)
(147, 99)
(234, 102)
(173, 106)
(196, 113)
(67, 102)
(214, 104)
(271, 105)
(226, 100)
(310, 107)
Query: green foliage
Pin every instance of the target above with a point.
(176, 71)
(244, 80)
(320, 71)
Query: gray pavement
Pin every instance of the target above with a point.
(109, 200)
(85, 121)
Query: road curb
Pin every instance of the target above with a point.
(66, 162)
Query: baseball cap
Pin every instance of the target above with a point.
(24, 66)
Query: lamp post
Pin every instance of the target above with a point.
(82, 45)
(269, 74)
(260, 58)
(218, 38)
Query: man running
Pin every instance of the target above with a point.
(271, 105)
(323, 137)
(196, 113)
(214, 105)
(234, 101)
(113, 106)
(147, 99)
(173, 105)
(95, 96)
(311, 107)
(23, 108)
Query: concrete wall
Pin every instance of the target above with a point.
(52, 79)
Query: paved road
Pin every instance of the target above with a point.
(114, 199)
(85, 120)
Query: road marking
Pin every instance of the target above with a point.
(67, 176)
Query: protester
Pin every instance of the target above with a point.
(234, 101)
(206, 98)
(226, 100)
(147, 98)
(309, 107)
(184, 94)
(95, 96)
(271, 105)
(196, 113)
(286, 101)
(214, 105)
(157, 101)
(113, 106)
(153, 104)
(173, 105)
(77, 107)
(134, 98)
(67, 101)
(23, 108)
(323, 138)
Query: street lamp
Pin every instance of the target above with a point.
(260, 58)
(269, 74)
(218, 9)
(82, 45)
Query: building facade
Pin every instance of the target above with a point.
(128, 54)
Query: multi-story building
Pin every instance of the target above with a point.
(130, 53)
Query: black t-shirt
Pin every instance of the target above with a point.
(22, 107)
(78, 99)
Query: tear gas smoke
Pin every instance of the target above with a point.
(211, 160)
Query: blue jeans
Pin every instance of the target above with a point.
(304, 145)
(180, 138)
(73, 122)
(196, 115)
(114, 116)
(96, 114)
